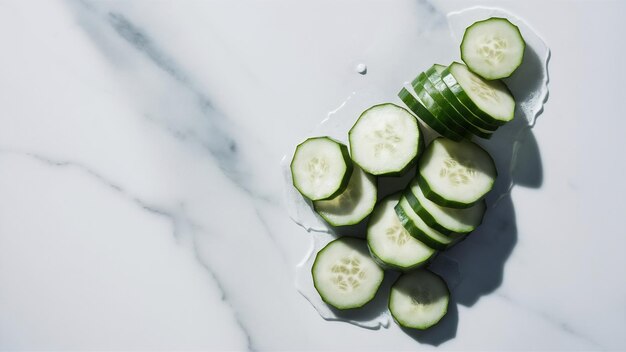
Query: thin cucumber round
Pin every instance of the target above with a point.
(455, 174)
(434, 76)
(321, 168)
(389, 242)
(490, 100)
(427, 92)
(415, 105)
(445, 220)
(493, 48)
(419, 299)
(435, 109)
(385, 140)
(345, 275)
(354, 204)
(417, 228)
(451, 111)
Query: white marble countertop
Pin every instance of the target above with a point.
(141, 197)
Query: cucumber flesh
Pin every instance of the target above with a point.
(434, 76)
(442, 219)
(416, 226)
(419, 299)
(415, 105)
(493, 48)
(385, 140)
(389, 242)
(321, 168)
(455, 174)
(345, 275)
(353, 204)
(490, 98)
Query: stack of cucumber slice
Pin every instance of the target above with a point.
(441, 206)
(457, 103)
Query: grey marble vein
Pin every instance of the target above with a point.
(219, 140)
(561, 325)
(435, 16)
(236, 316)
(138, 39)
(179, 222)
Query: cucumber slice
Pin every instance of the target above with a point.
(385, 140)
(435, 109)
(415, 105)
(434, 76)
(417, 228)
(455, 174)
(489, 100)
(321, 168)
(454, 115)
(445, 220)
(345, 275)
(390, 244)
(445, 111)
(418, 300)
(353, 204)
(493, 48)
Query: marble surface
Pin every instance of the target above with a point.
(141, 196)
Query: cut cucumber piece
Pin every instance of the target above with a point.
(345, 275)
(385, 140)
(389, 242)
(415, 105)
(454, 115)
(455, 174)
(419, 299)
(445, 220)
(353, 204)
(417, 228)
(493, 48)
(434, 76)
(321, 168)
(489, 100)
(435, 109)
(445, 111)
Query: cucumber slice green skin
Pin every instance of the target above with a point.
(390, 266)
(445, 202)
(421, 254)
(454, 115)
(434, 76)
(436, 110)
(432, 195)
(411, 163)
(422, 236)
(368, 193)
(442, 109)
(400, 288)
(466, 47)
(420, 110)
(354, 242)
(346, 178)
(417, 233)
(427, 217)
(462, 96)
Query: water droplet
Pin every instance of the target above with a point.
(361, 68)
